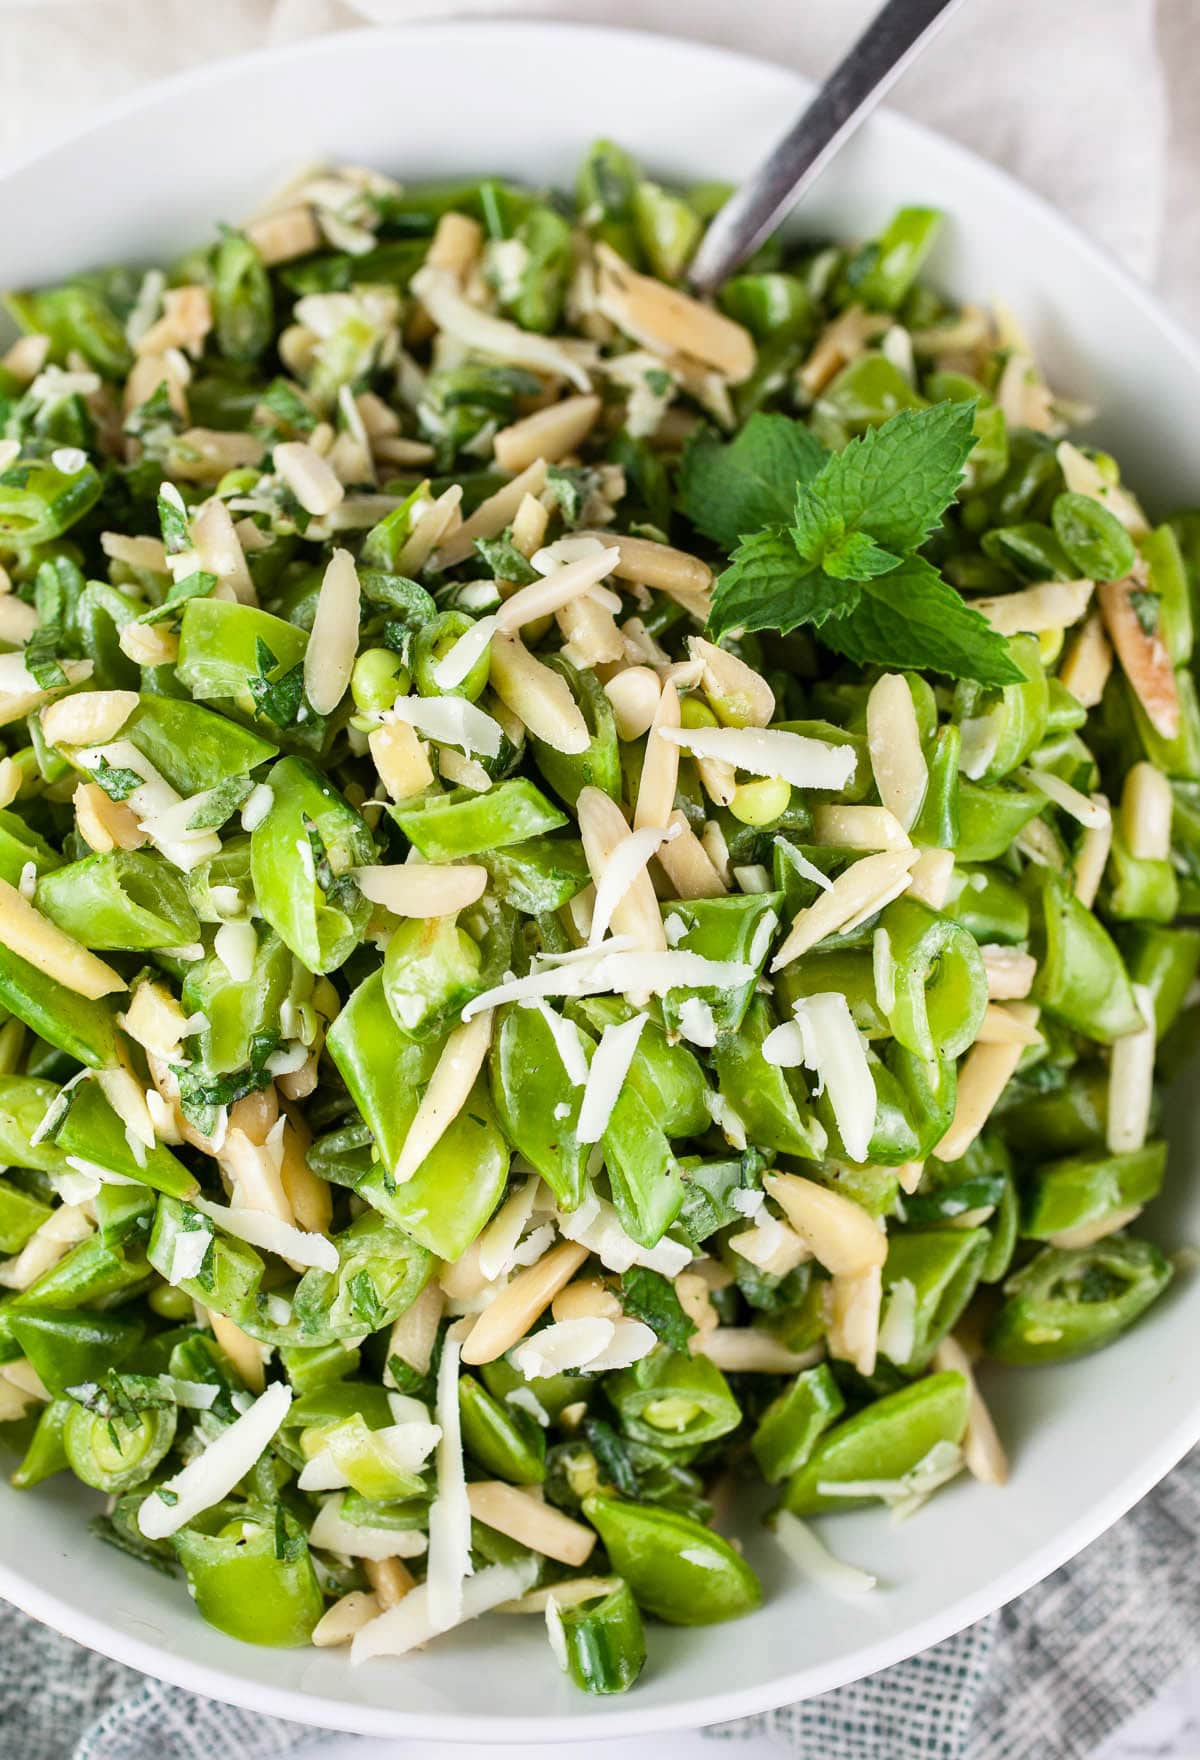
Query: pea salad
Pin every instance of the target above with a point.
(597, 893)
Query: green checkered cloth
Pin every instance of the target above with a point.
(1047, 1678)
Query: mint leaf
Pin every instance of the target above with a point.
(730, 489)
(768, 586)
(505, 561)
(855, 557)
(41, 657)
(649, 1297)
(277, 699)
(913, 618)
(193, 586)
(894, 482)
(118, 784)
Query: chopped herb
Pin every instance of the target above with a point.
(277, 699)
(221, 803)
(506, 561)
(648, 1296)
(41, 657)
(117, 783)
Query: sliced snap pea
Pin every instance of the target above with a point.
(882, 1442)
(1068, 1301)
(677, 1569)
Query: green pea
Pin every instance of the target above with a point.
(677, 1569)
(379, 677)
(1094, 539)
(760, 803)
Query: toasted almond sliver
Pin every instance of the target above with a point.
(1088, 662)
(1146, 807)
(506, 1321)
(1010, 972)
(982, 1078)
(492, 515)
(27, 933)
(1083, 477)
(749, 1350)
(863, 888)
(448, 1091)
(894, 742)
(838, 344)
(105, 824)
(540, 697)
(669, 322)
(1091, 859)
(559, 588)
(854, 1317)
(423, 889)
(148, 644)
(571, 1593)
(308, 476)
(746, 698)
(400, 759)
(1088, 1233)
(338, 1624)
(245, 1353)
(333, 643)
(536, 1525)
(91, 718)
(219, 549)
(281, 237)
(604, 830)
(982, 1448)
(634, 695)
(650, 564)
(687, 864)
(586, 1299)
(1144, 658)
(999, 1027)
(859, 828)
(1051, 605)
(660, 767)
(930, 877)
(836, 1230)
(549, 433)
(1131, 1080)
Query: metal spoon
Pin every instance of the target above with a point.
(892, 40)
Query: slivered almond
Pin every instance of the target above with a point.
(660, 767)
(33, 937)
(634, 695)
(669, 322)
(536, 1525)
(310, 1198)
(1088, 1233)
(748, 1350)
(219, 549)
(673, 572)
(148, 372)
(143, 554)
(894, 743)
(982, 1078)
(1088, 662)
(423, 889)
(1091, 858)
(449, 1089)
(414, 1334)
(333, 643)
(1049, 606)
(308, 476)
(603, 828)
(572, 1592)
(186, 321)
(529, 524)
(586, 1299)
(255, 1173)
(838, 344)
(540, 697)
(390, 1578)
(401, 759)
(338, 1624)
(558, 588)
(506, 1321)
(456, 243)
(590, 634)
(62, 1230)
(280, 238)
(17, 620)
(999, 1027)
(745, 697)
(203, 455)
(26, 357)
(836, 1230)
(859, 828)
(1131, 1080)
(1010, 972)
(854, 1317)
(491, 516)
(549, 433)
(1146, 807)
(858, 892)
(481, 332)
(105, 824)
(982, 1449)
(91, 718)
(1144, 658)
(930, 877)
(245, 1353)
(687, 864)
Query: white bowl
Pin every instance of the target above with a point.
(1086, 1439)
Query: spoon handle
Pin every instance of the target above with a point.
(894, 37)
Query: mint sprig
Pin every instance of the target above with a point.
(846, 564)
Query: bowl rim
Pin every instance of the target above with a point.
(613, 1719)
